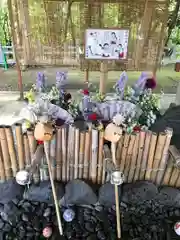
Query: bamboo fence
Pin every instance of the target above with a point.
(85, 155)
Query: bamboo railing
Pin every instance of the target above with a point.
(75, 154)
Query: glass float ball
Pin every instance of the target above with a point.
(177, 228)
(68, 215)
(22, 177)
(47, 232)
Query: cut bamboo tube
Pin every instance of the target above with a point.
(81, 154)
(64, 153)
(106, 156)
(76, 160)
(168, 171)
(11, 148)
(32, 143)
(2, 168)
(5, 153)
(26, 150)
(140, 155)
(100, 157)
(174, 177)
(124, 151)
(32, 146)
(53, 156)
(94, 159)
(129, 156)
(87, 155)
(119, 151)
(164, 157)
(72, 149)
(68, 153)
(59, 154)
(145, 155)
(178, 181)
(132, 167)
(158, 155)
(174, 152)
(20, 146)
(151, 156)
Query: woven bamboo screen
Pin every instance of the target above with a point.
(51, 32)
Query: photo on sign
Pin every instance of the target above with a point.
(106, 44)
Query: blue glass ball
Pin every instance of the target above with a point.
(68, 215)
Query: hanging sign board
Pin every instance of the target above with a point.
(106, 44)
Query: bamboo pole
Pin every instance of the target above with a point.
(107, 156)
(26, 150)
(20, 146)
(164, 157)
(72, 149)
(2, 167)
(100, 157)
(5, 153)
(132, 167)
(87, 155)
(129, 156)
(94, 159)
(81, 154)
(175, 153)
(145, 154)
(53, 188)
(64, 153)
(76, 153)
(11, 148)
(124, 151)
(158, 155)
(151, 156)
(59, 154)
(140, 154)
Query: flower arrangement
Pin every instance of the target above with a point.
(92, 104)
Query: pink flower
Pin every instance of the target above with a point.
(151, 83)
(85, 92)
(92, 117)
(137, 129)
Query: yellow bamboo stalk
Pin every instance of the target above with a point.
(158, 155)
(151, 156)
(140, 155)
(5, 153)
(76, 161)
(87, 155)
(20, 146)
(11, 148)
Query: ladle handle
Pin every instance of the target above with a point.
(117, 212)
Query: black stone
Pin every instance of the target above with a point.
(107, 195)
(169, 196)
(101, 235)
(140, 191)
(10, 190)
(79, 193)
(43, 192)
(90, 227)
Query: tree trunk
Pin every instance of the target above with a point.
(173, 20)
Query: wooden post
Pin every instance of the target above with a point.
(103, 77)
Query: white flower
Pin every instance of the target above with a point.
(118, 119)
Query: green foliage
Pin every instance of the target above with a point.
(4, 25)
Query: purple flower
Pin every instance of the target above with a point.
(150, 83)
(40, 81)
(61, 79)
(121, 83)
